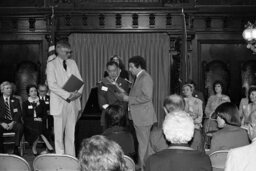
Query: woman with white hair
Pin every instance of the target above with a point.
(178, 129)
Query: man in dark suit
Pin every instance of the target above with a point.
(42, 91)
(140, 104)
(108, 88)
(178, 128)
(172, 103)
(10, 116)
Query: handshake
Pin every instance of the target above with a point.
(73, 96)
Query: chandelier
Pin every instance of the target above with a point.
(249, 34)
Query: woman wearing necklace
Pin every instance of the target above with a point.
(34, 119)
(250, 107)
(194, 107)
(212, 103)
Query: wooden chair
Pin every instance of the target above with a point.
(11, 162)
(218, 160)
(129, 163)
(51, 162)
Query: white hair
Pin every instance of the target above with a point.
(5, 83)
(178, 127)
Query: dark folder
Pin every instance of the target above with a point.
(73, 84)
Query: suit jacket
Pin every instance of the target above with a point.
(157, 139)
(242, 158)
(46, 102)
(28, 111)
(178, 160)
(140, 101)
(56, 78)
(14, 107)
(229, 137)
(106, 93)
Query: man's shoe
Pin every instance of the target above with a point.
(16, 151)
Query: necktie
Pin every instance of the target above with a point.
(8, 114)
(64, 65)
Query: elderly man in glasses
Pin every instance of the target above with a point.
(64, 105)
(244, 158)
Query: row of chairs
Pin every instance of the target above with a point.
(47, 162)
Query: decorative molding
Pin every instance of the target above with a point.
(32, 22)
(152, 21)
(168, 19)
(208, 22)
(84, 20)
(68, 20)
(14, 23)
(118, 20)
(135, 18)
(225, 22)
(101, 20)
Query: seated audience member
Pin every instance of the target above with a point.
(250, 107)
(178, 128)
(157, 140)
(230, 134)
(34, 116)
(42, 92)
(100, 154)
(10, 116)
(14, 94)
(196, 93)
(116, 131)
(244, 158)
(212, 103)
(194, 107)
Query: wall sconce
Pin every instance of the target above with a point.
(249, 34)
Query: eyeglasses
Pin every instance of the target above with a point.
(67, 52)
(42, 90)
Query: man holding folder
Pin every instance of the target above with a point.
(107, 89)
(65, 104)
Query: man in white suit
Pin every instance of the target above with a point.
(64, 105)
(140, 105)
(244, 158)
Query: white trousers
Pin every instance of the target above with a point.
(64, 130)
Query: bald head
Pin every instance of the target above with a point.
(174, 102)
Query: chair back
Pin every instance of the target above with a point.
(53, 162)
(129, 163)
(11, 162)
(218, 160)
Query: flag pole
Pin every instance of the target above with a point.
(184, 62)
(51, 51)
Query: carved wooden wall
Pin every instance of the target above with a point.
(212, 27)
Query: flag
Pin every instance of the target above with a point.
(51, 52)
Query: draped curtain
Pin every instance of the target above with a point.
(92, 51)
